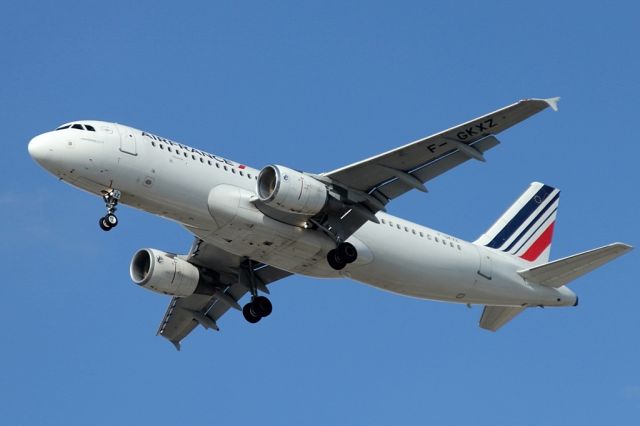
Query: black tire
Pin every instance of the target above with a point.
(335, 261)
(347, 252)
(111, 220)
(104, 225)
(261, 306)
(249, 314)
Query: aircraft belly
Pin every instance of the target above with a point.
(240, 228)
(406, 264)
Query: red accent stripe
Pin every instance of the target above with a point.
(242, 166)
(541, 244)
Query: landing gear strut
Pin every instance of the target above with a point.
(259, 306)
(339, 257)
(110, 220)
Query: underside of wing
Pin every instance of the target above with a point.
(394, 172)
(368, 185)
(233, 276)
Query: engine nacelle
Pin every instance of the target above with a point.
(164, 273)
(291, 191)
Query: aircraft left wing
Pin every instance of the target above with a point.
(370, 184)
(185, 313)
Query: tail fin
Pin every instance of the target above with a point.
(525, 230)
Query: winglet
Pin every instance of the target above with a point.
(553, 102)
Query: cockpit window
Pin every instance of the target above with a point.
(77, 126)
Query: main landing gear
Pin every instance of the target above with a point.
(110, 220)
(342, 255)
(259, 306)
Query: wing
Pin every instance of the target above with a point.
(370, 184)
(185, 313)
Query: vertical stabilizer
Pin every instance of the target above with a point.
(525, 230)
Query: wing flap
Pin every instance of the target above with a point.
(563, 271)
(494, 317)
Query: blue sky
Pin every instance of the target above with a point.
(315, 86)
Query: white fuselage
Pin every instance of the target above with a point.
(212, 198)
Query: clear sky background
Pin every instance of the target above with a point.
(315, 86)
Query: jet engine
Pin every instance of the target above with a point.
(164, 273)
(290, 191)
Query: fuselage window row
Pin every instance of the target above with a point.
(186, 155)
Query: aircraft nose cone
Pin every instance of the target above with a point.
(38, 149)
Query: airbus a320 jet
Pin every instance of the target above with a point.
(254, 227)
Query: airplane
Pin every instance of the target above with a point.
(254, 227)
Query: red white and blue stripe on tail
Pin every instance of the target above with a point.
(525, 230)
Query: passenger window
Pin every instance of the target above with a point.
(249, 175)
(437, 240)
(398, 226)
(421, 235)
(241, 174)
(218, 165)
(153, 143)
(89, 128)
(178, 151)
(226, 169)
(193, 157)
(209, 162)
(459, 248)
(233, 171)
(169, 148)
(451, 244)
(201, 160)
(383, 222)
(186, 155)
(77, 126)
(161, 146)
(406, 229)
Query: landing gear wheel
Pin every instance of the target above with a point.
(111, 198)
(347, 252)
(261, 306)
(111, 220)
(104, 225)
(335, 260)
(249, 313)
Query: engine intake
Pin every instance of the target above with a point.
(164, 273)
(291, 191)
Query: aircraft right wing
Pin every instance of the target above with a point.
(185, 313)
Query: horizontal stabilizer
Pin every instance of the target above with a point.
(494, 317)
(562, 271)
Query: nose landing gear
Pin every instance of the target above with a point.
(110, 220)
